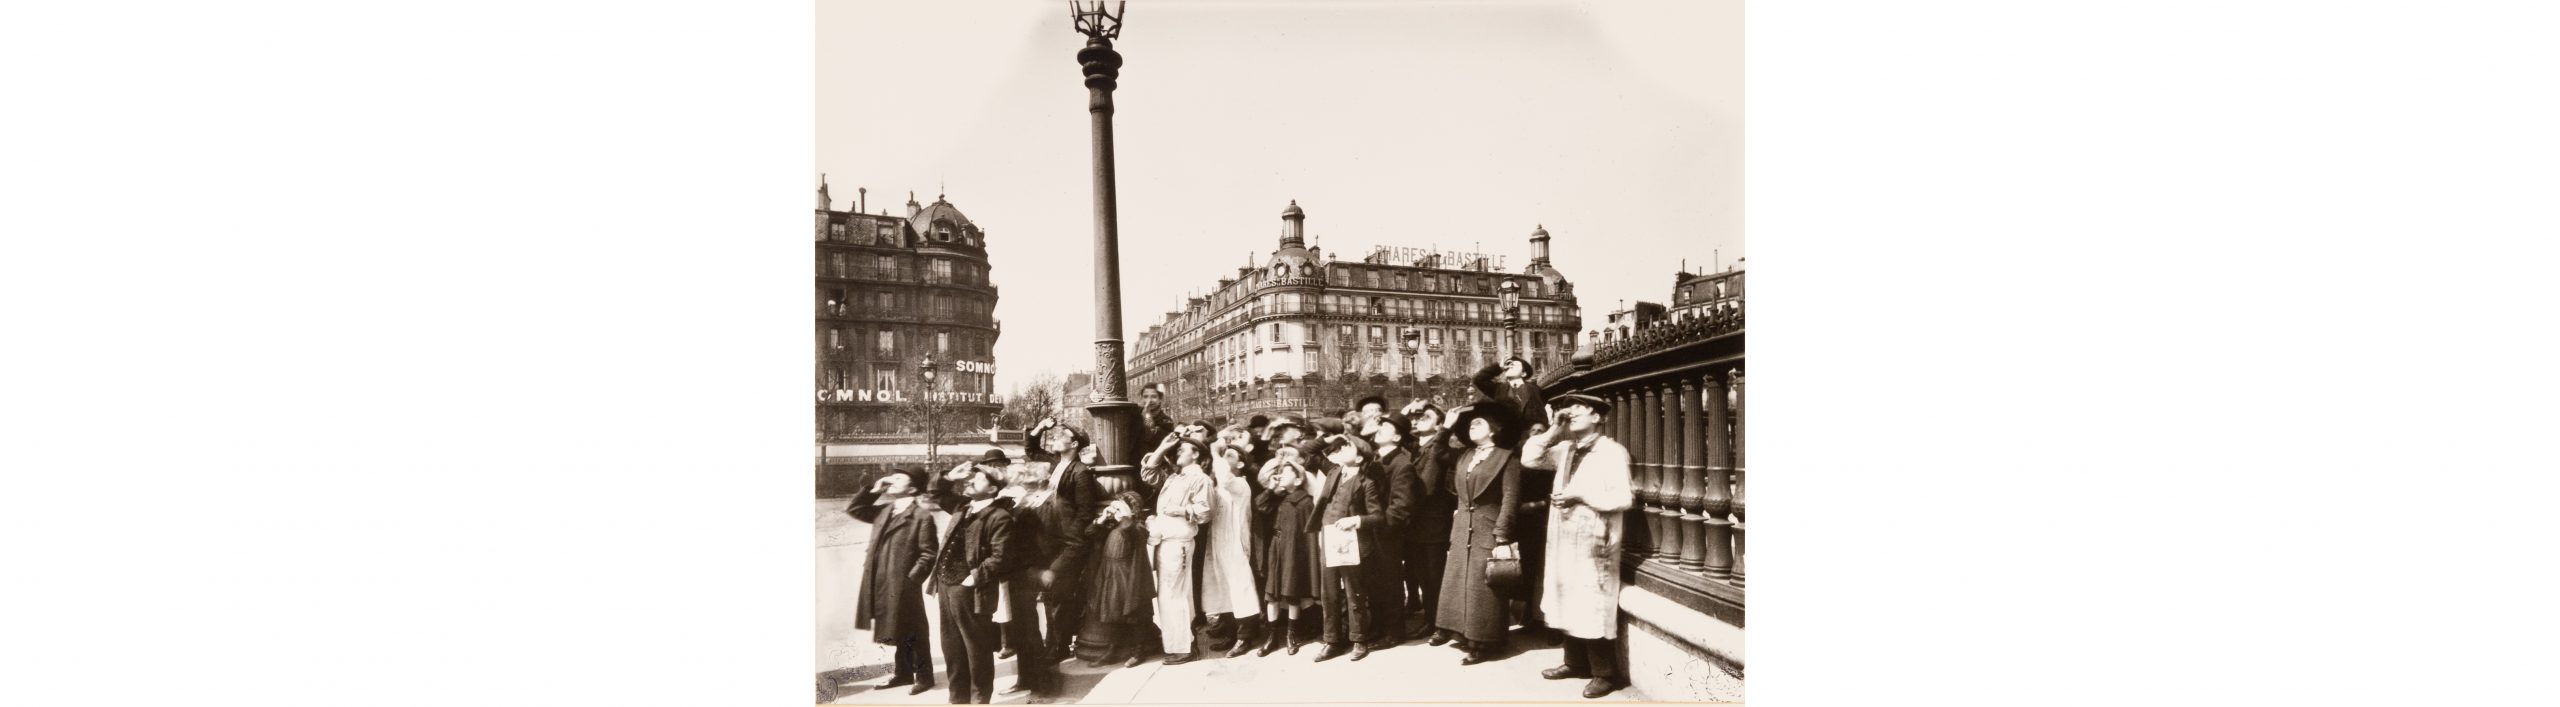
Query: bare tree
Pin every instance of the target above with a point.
(1039, 397)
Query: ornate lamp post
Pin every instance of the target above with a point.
(1116, 423)
(1412, 350)
(932, 415)
(1511, 317)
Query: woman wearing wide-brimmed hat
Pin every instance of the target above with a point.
(1486, 477)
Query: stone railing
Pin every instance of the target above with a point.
(1676, 393)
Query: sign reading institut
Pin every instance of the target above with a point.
(858, 395)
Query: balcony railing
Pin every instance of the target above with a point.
(1676, 390)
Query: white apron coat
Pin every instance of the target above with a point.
(1226, 576)
(1580, 589)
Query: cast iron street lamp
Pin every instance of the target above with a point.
(1116, 423)
(1511, 317)
(1412, 350)
(932, 415)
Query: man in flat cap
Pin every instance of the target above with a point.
(1592, 493)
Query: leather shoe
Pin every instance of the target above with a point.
(1472, 658)
(1006, 654)
(899, 681)
(920, 688)
(1562, 673)
(1359, 651)
(1180, 659)
(1439, 639)
(1330, 652)
(1017, 686)
(1598, 687)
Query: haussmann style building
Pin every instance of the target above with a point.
(894, 292)
(1306, 334)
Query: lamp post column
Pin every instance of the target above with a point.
(1116, 421)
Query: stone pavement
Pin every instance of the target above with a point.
(1413, 672)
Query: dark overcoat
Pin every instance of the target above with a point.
(1527, 401)
(1284, 532)
(891, 603)
(1434, 494)
(981, 546)
(1488, 497)
(1362, 495)
(1121, 587)
(1057, 537)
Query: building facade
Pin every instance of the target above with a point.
(1694, 295)
(891, 292)
(1306, 334)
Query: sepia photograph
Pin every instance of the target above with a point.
(1249, 352)
(1278, 352)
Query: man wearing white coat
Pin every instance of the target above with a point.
(1584, 517)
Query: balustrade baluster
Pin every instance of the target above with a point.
(1646, 496)
(1639, 534)
(1716, 533)
(1685, 514)
(1737, 476)
(1645, 402)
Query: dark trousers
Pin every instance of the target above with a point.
(1031, 663)
(1065, 611)
(1423, 563)
(911, 661)
(1346, 605)
(1597, 656)
(1385, 574)
(968, 648)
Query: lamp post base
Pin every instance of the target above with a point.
(1119, 432)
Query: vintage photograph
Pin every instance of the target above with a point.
(1268, 352)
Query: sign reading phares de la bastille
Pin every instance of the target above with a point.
(1448, 259)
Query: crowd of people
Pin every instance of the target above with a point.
(1354, 533)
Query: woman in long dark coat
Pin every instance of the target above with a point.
(1486, 476)
(1123, 590)
(891, 605)
(1285, 524)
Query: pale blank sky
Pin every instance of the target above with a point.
(1464, 126)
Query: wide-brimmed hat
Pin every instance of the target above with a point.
(1506, 426)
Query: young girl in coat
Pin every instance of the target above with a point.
(1285, 520)
(1123, 591)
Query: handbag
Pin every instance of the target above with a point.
(1503, 576)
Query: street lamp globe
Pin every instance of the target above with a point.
(929, 367)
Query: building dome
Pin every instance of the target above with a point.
(1292, 262)
(959, 230)
(1292, 211)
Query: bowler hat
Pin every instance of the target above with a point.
(995, 457)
